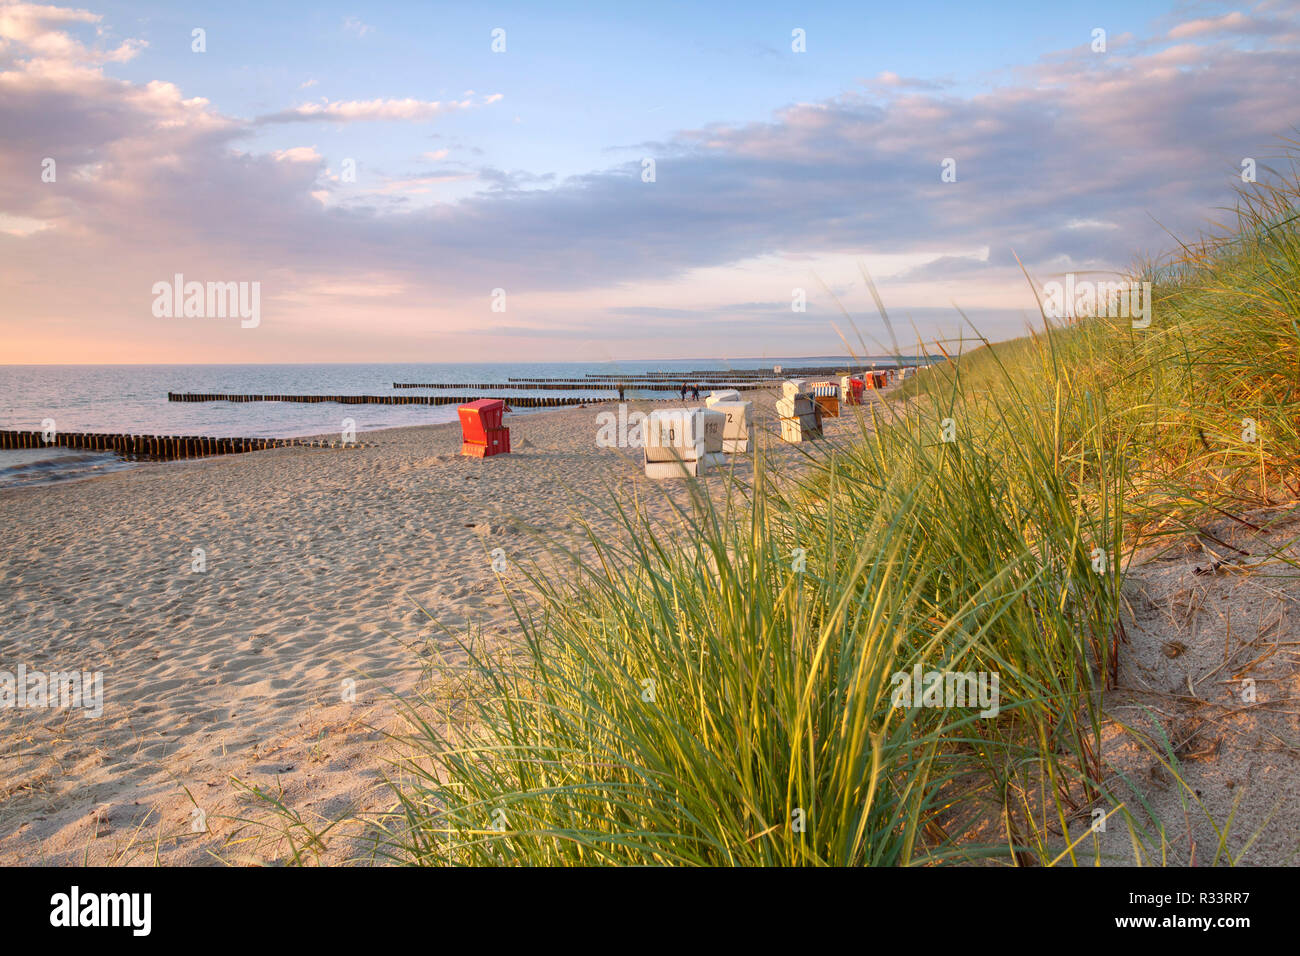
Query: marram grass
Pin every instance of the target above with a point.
(721, 692)
(724, 695)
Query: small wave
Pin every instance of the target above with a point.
(43, 466)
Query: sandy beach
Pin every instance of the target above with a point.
(276, 665)
(314, 560)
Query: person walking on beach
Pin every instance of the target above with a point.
(620, 391)
(695, 393)
(683, 391)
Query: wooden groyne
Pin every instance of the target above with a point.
(516, 401)
(712, 375)
(159, 447)
(592, 378)
(589, 385)
(512, 401)
(747, 374)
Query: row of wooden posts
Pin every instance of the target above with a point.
(161, 447)
(518, 401)
(713, 375)
(737, 374)
(588, 385)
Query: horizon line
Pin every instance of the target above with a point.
(802, 358)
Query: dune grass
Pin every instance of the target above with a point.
(722, 691)
(724, 695)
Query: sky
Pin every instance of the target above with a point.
(473, 182)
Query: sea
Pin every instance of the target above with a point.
(132, 399)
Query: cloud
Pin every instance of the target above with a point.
(887, 80)
(514, 180)
(1090, 224)
(298, 154)
(654, 312)
(351, 111)
(1080, 162)
(41, 32)
(354, 25)
(20, 225)
(947, 268)
(420, 185)
(1230, 23)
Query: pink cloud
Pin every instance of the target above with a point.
(1069, 164)
(1235, 22)
(351, 111)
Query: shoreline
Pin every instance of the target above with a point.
(124, 465)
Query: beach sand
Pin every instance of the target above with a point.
(1209, 695)
(241, 672)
